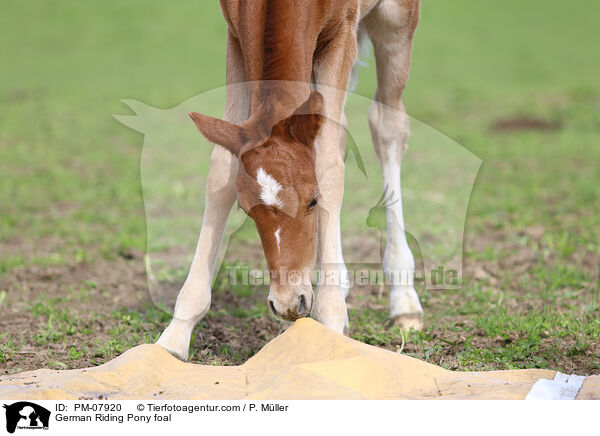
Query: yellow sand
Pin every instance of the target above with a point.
(308, 361)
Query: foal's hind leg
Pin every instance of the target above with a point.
(194, 298)
(391, 25)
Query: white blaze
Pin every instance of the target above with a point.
(277, 237)
(269, 189)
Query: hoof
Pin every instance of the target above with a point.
(176, 338)
(407, 321)
(330, 310)
(177, 354)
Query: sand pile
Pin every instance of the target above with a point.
(308, 361)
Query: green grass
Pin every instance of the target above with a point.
(98, 336)
(70, 190)
(489, 335)
(8, 348)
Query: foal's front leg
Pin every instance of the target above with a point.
(330, 305)
(194, 298)
(332, 69)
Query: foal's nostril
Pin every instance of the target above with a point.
(302, 306)
(272, 307)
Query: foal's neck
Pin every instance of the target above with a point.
(280, 60)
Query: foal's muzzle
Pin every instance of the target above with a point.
(292, 308)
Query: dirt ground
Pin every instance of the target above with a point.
(91, 312)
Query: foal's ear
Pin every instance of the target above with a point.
(220, 132)
(305, 123)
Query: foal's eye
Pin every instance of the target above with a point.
(313, 203)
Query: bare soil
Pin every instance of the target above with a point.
(226, 338)
(524, 123)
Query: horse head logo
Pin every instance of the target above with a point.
(24, 414)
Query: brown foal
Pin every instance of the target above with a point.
(280, 152)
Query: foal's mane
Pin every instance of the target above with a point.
(280, 60)
(274, 47)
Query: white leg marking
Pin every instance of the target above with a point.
(398, 260)
(389, 129)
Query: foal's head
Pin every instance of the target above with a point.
(277, 187)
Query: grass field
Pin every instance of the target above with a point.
(514, 82)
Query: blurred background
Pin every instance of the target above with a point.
(514, 82)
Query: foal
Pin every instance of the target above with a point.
(280, 152)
